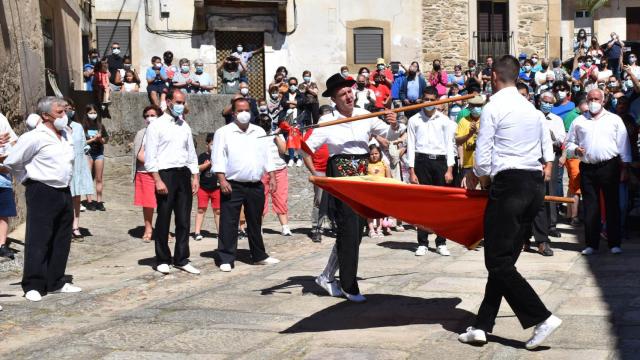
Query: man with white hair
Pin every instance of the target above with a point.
(42, 160)
(599, 138)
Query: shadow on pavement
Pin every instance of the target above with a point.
(384, 310)
(399, 245)
(242, 255)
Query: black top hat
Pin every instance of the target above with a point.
(336, 81)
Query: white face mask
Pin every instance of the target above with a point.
(243, 117)
(92, 116)
(115, 51)
(244, 91)
(595, 107)
(239, 49)
(150, 119)
(61, 123)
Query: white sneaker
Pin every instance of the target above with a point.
(330, 287)
(225, 267)
(299, 163)
(442, 250)
(268, 261)
(82, 208)
(33, 295)
(188, 268)
(473, 336)
(68, 288)
(290, 164)
(422, 250)
(163, 268)
(588, 251)
(542, 331)
(358, 298)
(286, 231)
(197, 237)
(616, 250)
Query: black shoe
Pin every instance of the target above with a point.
(100, 206)
(316, 235)
(6, 252)
(545, 250)
(526, 247)
(91, 206)
(554, 233)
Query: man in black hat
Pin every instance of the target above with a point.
(348, 145)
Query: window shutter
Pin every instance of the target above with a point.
(368, 45)
(110, 31)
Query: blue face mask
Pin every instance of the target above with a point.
(476, 111)
(177, 109)
(546, 107)
(430, 108)
(614, 102)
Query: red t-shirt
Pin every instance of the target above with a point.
(382, 92)
(387, 73)
(321, 156)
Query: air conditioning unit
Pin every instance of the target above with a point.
(164, 9)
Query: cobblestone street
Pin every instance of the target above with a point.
(416, 305)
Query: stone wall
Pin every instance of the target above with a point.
(445, 33)
(22, 69)
(532, 25)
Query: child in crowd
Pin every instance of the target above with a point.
(130, 83)
(209, 190)
(456, 106)
(377, 167)
(101, 86)
(293, 141)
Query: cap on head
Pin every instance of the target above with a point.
(477, 100)
(380, 61)
(522, 56)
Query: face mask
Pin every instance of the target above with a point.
(360, 86)
(177, 110)
(430, 108)
(71, 114)
(575, 89)
(534, 60)
(562, 95)
(380, 67)
(157, 66)
(199, 69)
(613, 84)
(92, 116)
(589, 63)
(127, 66)
(150, 119)
(244, 91)
(476, 111)
(263, 109)
(546, 107)
(629, 83)
(243, 117)
(307, 79)
(436, 67)
(580, 64)
(401, 71)
(614, 102)
(61, 123)
(345, 74)
(184, 68)
(632, 60)
(595, 107)
(274, 96)
(472, 69)
(94, 60)
(115, 51)
(601, 86)
(527, 68)
(293, 88)
(239, 49)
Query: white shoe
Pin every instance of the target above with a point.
(163, 268)
(188, 268)
(422, 250)
(299, 163)
(542, 331)
(616, 250)
(588, 251)
(290, 164)
(68, 288)
(286, 231)
(82, 208)
(473, 336)
(442, 250)
(358, 298)
(268, 261)
(0, 307)
(225, 267)
(330, 287)
(197, 237)
(33, 295)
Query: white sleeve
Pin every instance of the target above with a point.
(218, 153)
(571, 142)
(484, 145)
(545, 140)
(450, 139)
(411, 144)
(22, 153)
(193, 157)
(151, 149)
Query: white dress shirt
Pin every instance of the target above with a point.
(169, 144)
(40, 156)
(350, 138)
(6, 128)
(555, 125)
(602, 138)
(512, 135)
(433, 135)
(243, 156)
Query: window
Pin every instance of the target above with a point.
(368, 44)
(582, 14)
(110, 31)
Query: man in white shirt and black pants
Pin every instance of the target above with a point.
(600, 139)
(348, 146)
(42, 161)
(170, 157)
(240, 157)
(431, 156)
(511, 141)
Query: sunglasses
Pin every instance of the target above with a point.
(116, 47)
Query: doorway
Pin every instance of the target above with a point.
(493, 29)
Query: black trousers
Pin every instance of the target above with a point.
(430, 171)
(515, 198)
(251, 195)
(177, 201)
(48, 237)
(605, 177)
(542, 221)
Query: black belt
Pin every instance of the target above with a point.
(431, 156)
(601, 163)
(246, 183)
(184, 168)
(29, 182)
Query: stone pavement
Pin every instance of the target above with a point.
(416, 305)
